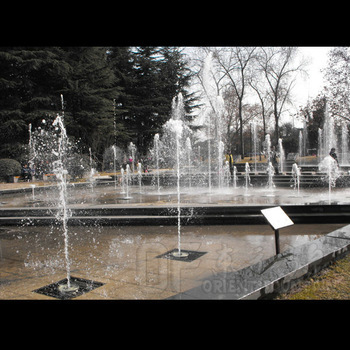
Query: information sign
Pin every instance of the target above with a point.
(277, 218)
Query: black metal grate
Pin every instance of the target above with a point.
(84, 286)
(192, 255)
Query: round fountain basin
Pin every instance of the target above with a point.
(109, 196)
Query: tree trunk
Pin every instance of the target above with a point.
(277, 130)
(241, 148)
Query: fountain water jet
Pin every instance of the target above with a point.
(296, 176)
(281, 156)
(175, 125)
(132, 149)
(122, 180)
(330, 167)
(268, 148)
(270, 172)
(211, 119)
(92, 172)
(64, 213)
(227, 174)
(247, 177)
(189, 154)
(139, 174)
(344, 144)
(114, 165)
(156, 148)
(255, 145)
(125, 182)
(234, 177)
(33, 195)
(327, 136)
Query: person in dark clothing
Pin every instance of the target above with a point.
(230, 160)
(26, 173)
(274, 159)
(334, 155)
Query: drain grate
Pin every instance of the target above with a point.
(191, 255)
(82, 286)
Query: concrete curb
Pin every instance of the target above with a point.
(274, 275)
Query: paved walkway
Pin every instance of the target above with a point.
(125, 259)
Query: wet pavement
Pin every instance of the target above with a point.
(125, 260)
(129, 262)
(83, 195)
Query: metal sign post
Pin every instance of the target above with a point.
(277, 219)
(277, 241)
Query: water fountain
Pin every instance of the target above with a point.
(268, 148)
(92, 172)
(122, 172)
(176, 126)
(282, 156)
(52, 144)
(63, 213)
(327, 136)
(192, 204)
(320, 144)
(126, 180)
(296, 176)
(227, 174)
(247, 177)
(32, 148)
(114, 149)
(210, 119)
(269, 169)
(139, 175)
(132, 150)
(333, 136)
(330, 168)
(234, 177)
(344, 159)
(255, 144)
(156, 151)
(302, 144)
(33, 194)
(189, 161)
(270, 172)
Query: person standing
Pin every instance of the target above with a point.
(274, 159)
(334, 155)
(229, 158)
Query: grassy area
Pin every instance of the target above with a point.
(332, 283)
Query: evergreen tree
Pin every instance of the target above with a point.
(88, 94)
(111, 95)
(151, 78)
(144, 113)
(30, 79)
(121, 63)
(176, 77)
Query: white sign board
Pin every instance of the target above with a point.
(277, 218)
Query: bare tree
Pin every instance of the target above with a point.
(269, 71)
(276, 64)
(337, 76)
(197, 59)
(264, 101)
(250, 112)
(234, 63)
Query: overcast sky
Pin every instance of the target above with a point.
(306, 87)
(312, 85)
